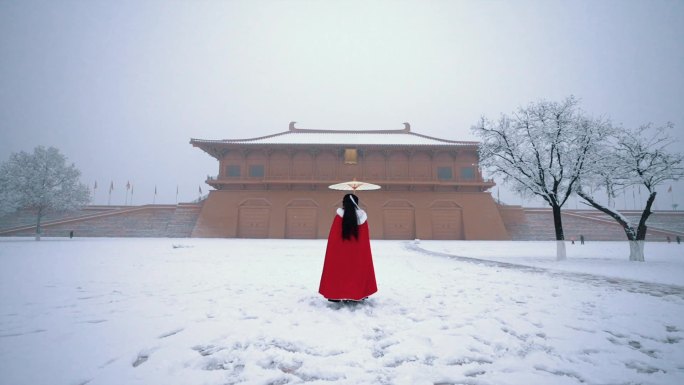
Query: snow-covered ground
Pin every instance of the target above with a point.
(205, 311)
(664, 261)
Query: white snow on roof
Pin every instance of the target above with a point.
(352, 138)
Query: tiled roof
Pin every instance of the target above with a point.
(348, 137)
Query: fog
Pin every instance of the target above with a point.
(120, 87)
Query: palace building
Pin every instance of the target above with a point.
(276, 186)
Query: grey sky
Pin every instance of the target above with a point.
(121, 86)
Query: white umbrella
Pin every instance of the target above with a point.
(354, 185)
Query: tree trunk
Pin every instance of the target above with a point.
(558, 225)
(561, 255)
(641, 230)
(557, 222)
(636, 251)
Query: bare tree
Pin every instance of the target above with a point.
(541, 150)
(41, 181)
(638, 158)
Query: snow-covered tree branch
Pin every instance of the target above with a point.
(542, 149)
(41, 181)
(638, 157)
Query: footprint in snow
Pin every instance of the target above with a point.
(171, 333)
(207, 350)
(95, 321)
(474, 373)
(560, 373)
(672, 340)
(142, 357)
(642, 367)
(109, 362)
(22, 334)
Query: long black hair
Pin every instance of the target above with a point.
(350, 222)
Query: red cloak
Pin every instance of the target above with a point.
(348, 268)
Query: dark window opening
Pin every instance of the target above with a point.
(468, 173)
(256, 171)
(233, 170)
(444, 173)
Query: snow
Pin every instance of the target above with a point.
(351, 138)
(664, 261)
(235, 311)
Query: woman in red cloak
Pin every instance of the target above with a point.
(348, 272)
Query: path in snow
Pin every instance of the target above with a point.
(630, 285)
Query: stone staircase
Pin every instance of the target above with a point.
(111, 221)
(28, 217)
(663, 220)
(183, 221)
(179, 220)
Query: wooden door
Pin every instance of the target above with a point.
(253, 222)
(301, 223)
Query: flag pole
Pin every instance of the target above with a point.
(128, 186)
